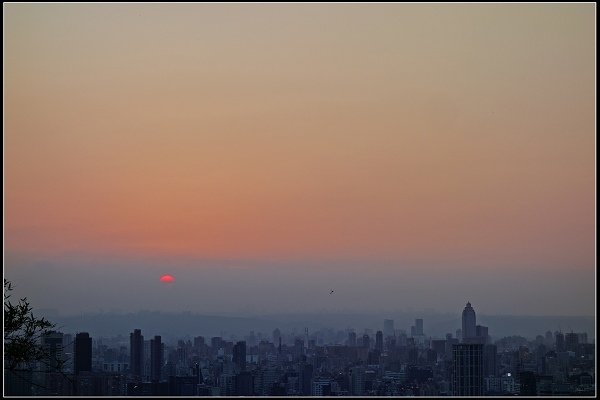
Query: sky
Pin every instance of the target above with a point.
(413, 155)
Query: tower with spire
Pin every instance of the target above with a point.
(469, 330)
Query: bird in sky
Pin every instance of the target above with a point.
(331, 292)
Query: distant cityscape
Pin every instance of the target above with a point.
(385, 361)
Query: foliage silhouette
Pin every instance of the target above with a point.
(23, 349)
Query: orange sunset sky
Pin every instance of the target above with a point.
(456, 136)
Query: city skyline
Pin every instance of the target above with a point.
(299, 199)
(321, 362)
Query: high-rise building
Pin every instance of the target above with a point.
(156, 359)
(239, 356)
(227, 384)
(199, 342)
(276, 336)
(52, 343)
(306, 375)
(489, 360)
(481, 332)
(450, 341)
(366, 341)
(572, 342)
(388, 327)
(401, 337)
(321, 387)
(468, 369)
(306, 340)
(352, 339)
(136, 353)
(267, 377)
(560, 342)
(379, 341)
(68, 351)
(439, 346)
(469, 330)
(216, 342)
(83, 353)
(298, 348)
(357, 381)
(419, 327)
(390, 342)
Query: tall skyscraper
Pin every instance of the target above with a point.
(482, 333)
(352, 339)
(68, 351)
(136, 353)
(388, 327)
(83, 353)
(560, 342)
(216, 342)
(239, 356)
(572, 342)
(199, 342)
(379, 341)
(298, 348)
(469, 330)
(305, 338)
(419, 327)
(468, 369)
(276, 336)
(489, 360)
(321, 387)
(366, 342)
(357, 380)
(306, 374)
(156, 358)
(52, 343)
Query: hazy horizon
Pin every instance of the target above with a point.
(76, 284)
(402, 155)
(416, 312)
(173, 325)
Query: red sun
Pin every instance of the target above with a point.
(167, 278)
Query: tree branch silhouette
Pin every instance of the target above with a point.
(23, 334)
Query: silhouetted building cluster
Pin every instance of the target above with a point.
(385, 362)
